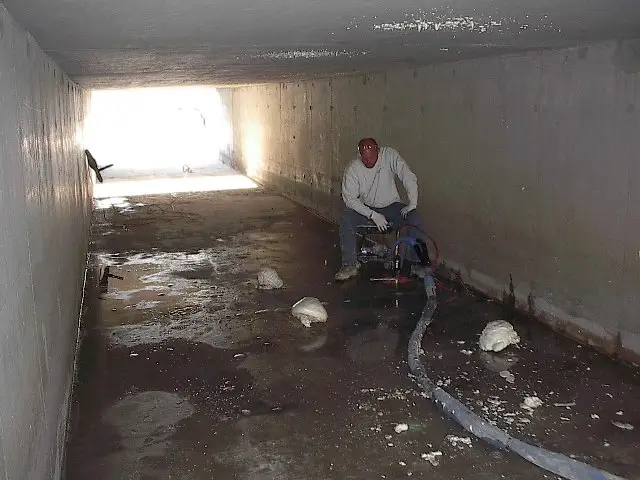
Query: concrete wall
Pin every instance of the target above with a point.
(528, 170)
(227, 155)
(45, 208)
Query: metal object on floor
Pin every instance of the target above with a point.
(397, 279)
(390, 257)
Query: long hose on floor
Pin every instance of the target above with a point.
(556, 463)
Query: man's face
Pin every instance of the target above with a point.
(368, 153)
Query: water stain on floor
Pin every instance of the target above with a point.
(188, 371)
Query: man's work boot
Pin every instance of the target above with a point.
(347, 271)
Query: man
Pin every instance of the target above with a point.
(370, 195)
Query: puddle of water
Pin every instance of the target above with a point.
(175, 271)
(374, 345)
(126, 295)
(145, 423)
(175, 297)
(145, 305)
(160, 411)
(177, 260)
(198, 326)
(498, 362)
(117, 202)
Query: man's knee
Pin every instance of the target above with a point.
(413, 216)
(349, 217)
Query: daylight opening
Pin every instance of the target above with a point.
(161, 140)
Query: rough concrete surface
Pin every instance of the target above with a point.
(123, 43)
(188, 371)
(526, 168)
(45, 213)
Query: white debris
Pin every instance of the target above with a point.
(444, 383)
(306, 54)
(466, 352)
(459, 442)
(497, 336)
(145, 305)
(508, 376)
(530, 403)
(432, 457)
(623, 426)
(402, 464)
(401, 427)
(309, 310)
(268, 279)
(565, 405)
(620, 413)
(595, 416)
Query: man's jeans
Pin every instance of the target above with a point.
(351, 219)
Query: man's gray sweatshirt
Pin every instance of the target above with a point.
(364, 187)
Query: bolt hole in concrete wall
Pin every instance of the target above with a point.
(161, 140)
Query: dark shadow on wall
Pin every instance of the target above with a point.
(627, 56)
(231, 160)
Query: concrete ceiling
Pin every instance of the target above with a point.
(122, 43)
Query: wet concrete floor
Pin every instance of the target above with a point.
(189, 372)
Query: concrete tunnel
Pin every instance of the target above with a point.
(134, 344)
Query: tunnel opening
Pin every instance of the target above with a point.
(159, 140)
(519, 121)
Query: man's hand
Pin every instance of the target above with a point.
(405, 211)
(380, 221)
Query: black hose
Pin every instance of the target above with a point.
(556, 463)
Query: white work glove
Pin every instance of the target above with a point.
(405, 211)
(380, 221)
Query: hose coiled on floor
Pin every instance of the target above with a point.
(556, 463)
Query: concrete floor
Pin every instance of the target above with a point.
(187, 371)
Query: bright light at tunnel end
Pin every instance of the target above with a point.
(159, 129)
(173, 185)
(161, 140)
